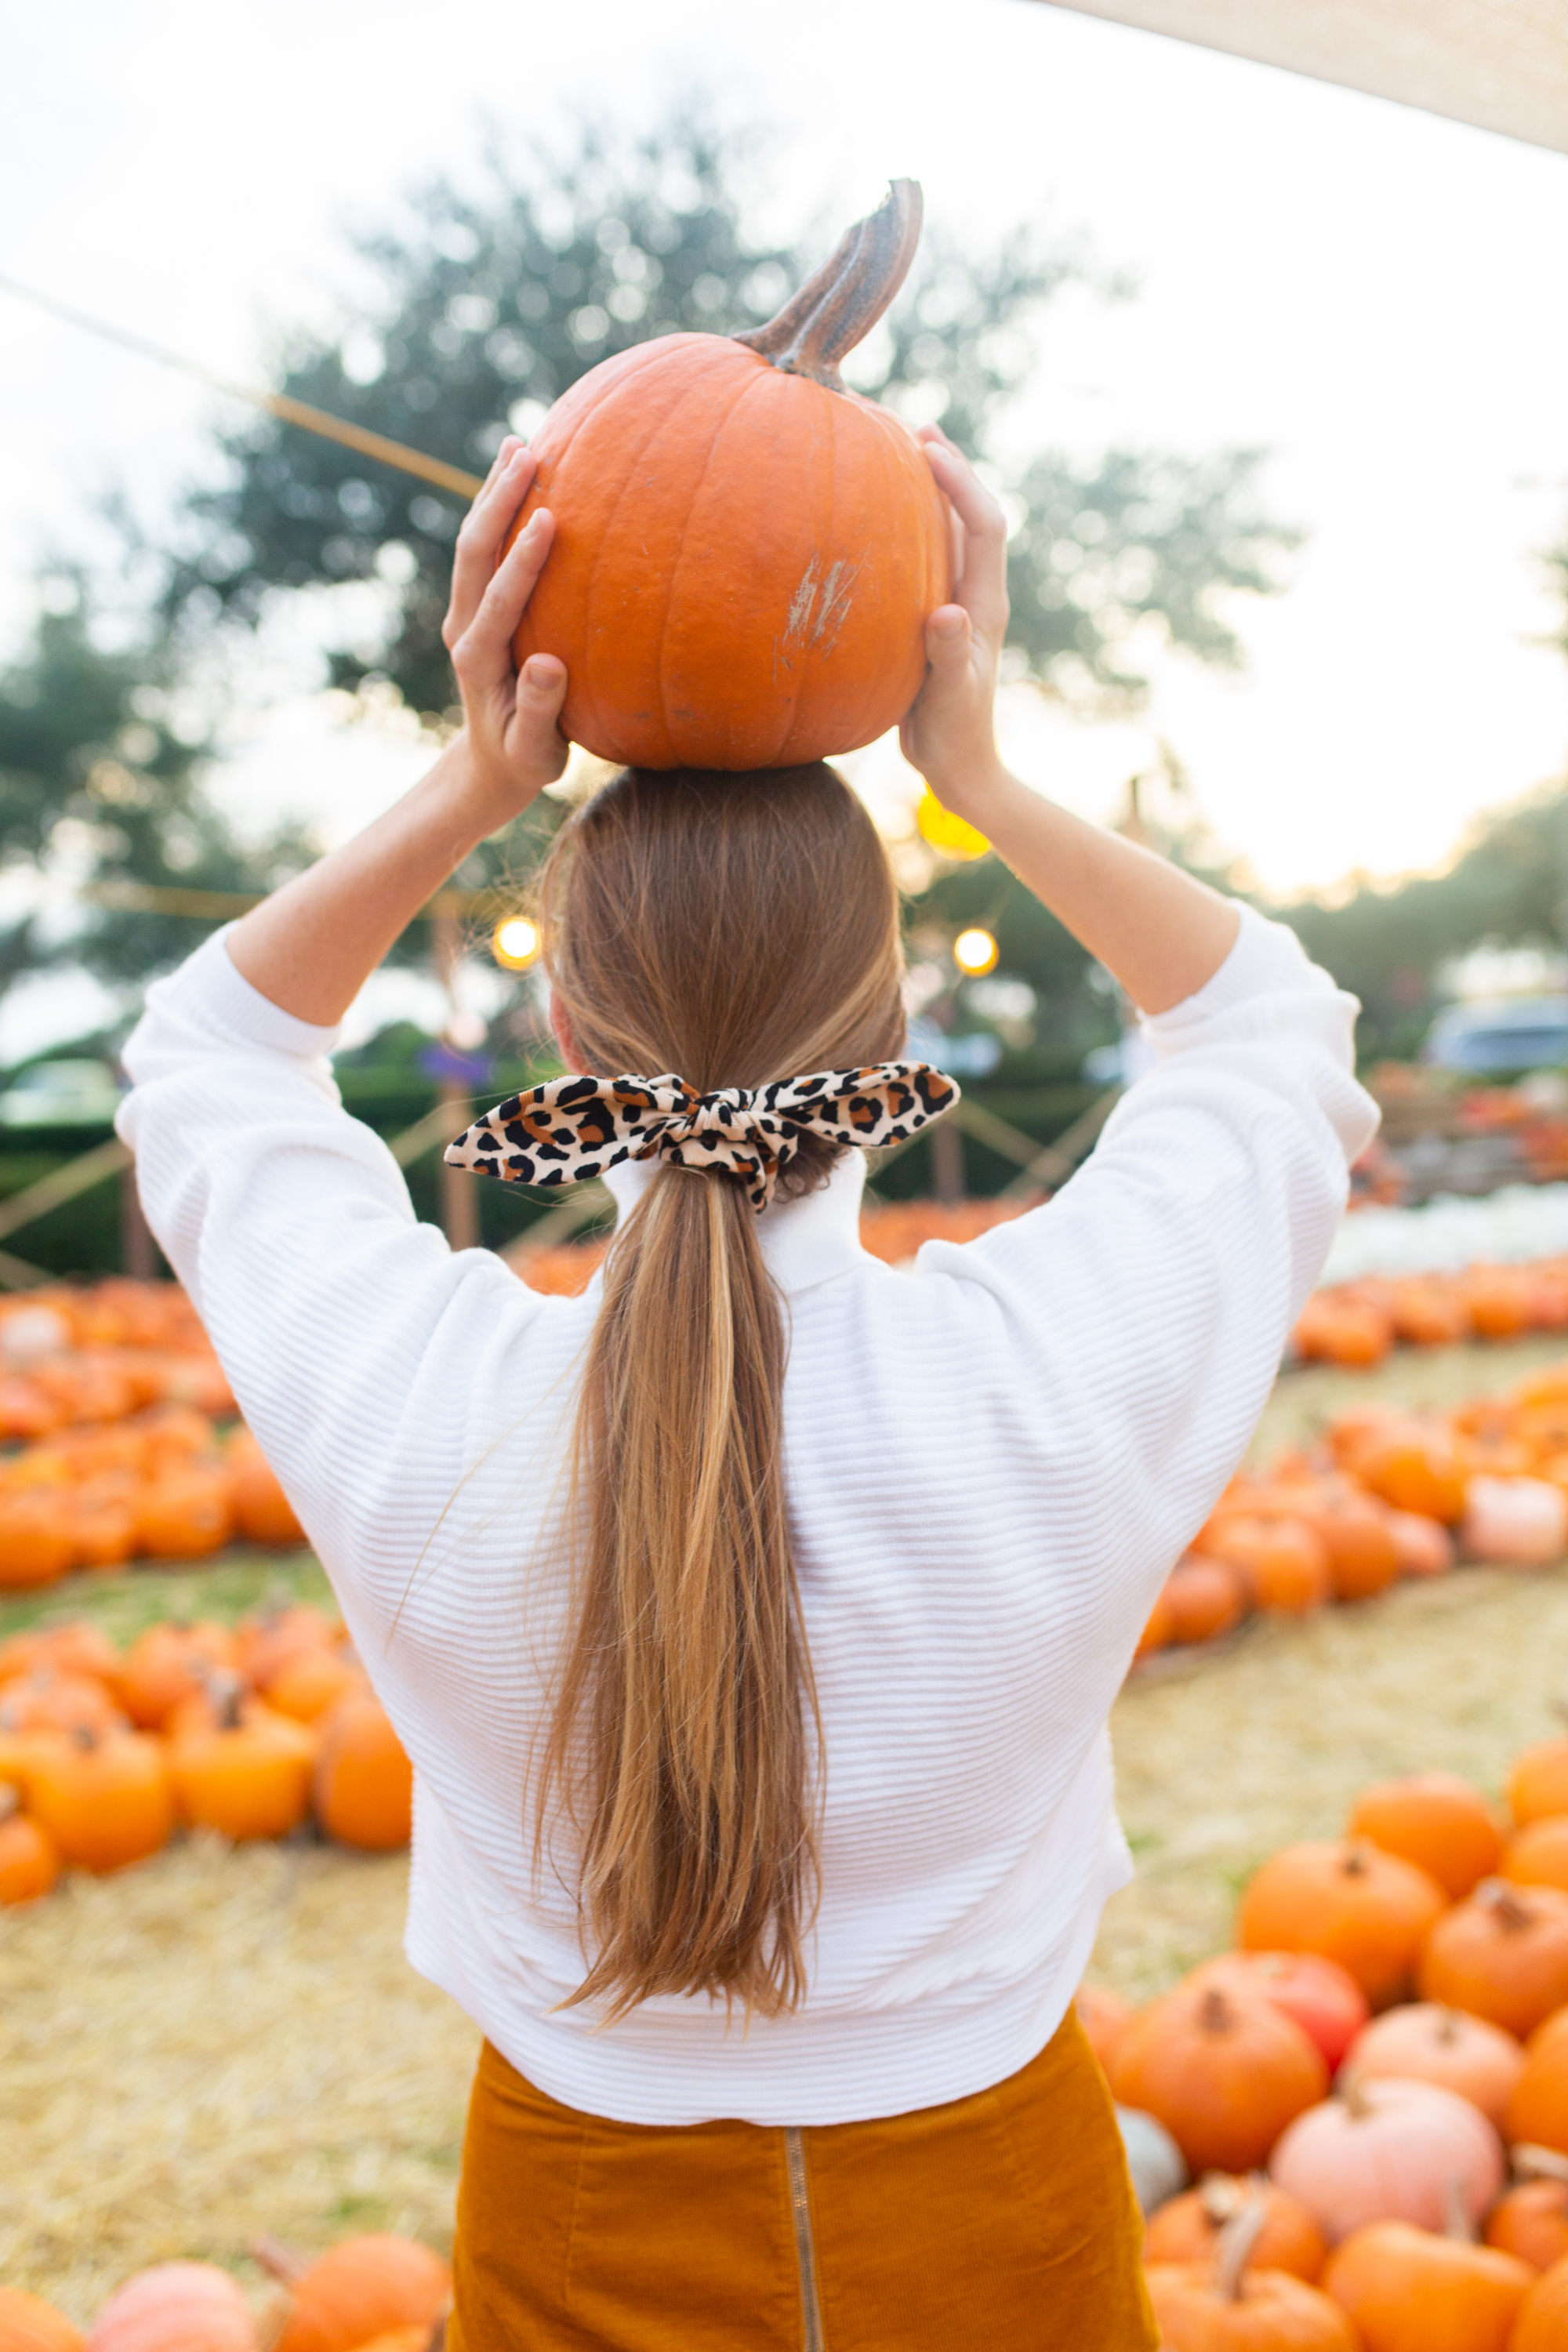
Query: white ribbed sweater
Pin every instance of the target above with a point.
(990, 1466)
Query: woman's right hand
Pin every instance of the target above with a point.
(948, 733)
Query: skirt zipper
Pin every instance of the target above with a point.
(805, 2245)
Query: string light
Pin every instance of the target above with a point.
(953, 835)
(976, 951)
(515, 943)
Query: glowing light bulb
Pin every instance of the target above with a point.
(974, 952)
(515, 943)
(953, 835)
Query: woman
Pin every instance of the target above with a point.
(752, 1622)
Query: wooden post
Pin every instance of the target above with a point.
(947, 1161)
(459, 1191)
(136, 1257)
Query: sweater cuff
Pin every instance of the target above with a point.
(1264, 957)
(209, 984)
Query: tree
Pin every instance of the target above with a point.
(99, 771)
(490, 307)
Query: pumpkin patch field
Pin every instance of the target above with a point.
(223, 2046)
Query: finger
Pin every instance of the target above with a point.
(949, 637)
(482, 654)
(536, 739)
(982, 584)
(485, 527)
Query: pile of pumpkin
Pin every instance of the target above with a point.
(1358, 1323)
(371, 2294)
(109, 1399)
(1419, 1968)
(1387, 1493)
(251, 1732)
(894, 1232)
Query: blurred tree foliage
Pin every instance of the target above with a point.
(101, 774)
(490, 307)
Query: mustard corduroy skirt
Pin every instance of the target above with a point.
(1002, 2219)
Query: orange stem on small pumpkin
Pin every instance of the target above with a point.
(838, 307)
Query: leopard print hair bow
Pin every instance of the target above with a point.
(574, 1128)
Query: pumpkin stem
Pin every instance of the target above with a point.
(1356, 1863)
(1214, 2013)
(1219, 2195)
(1350, 2091)
(281, 2261)
(1504, 1905)
(1448, 2026)
(1533, 2163)
(1235, 2245)
(10, 1803)
(1457, 2222)
(839, 305)
(225, 1692)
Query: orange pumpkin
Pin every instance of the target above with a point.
(363, 2288)
(247, 1772)
(1422, 2042)
(1425, 1545)
(1187, 2228)
(1368, 1910)
(1225, 2076)
(29, 1861)
(1363, 1557)
(1437, 1821)
(1407, 2290)
(1205, 1597)
(363, 1780)
(186, 1514)
(1429, 1313)
(37, 1539)
(1532, 2221)
(47, 1701)
(272, 1637)
(1538, 2105)
(1160, 1628)
(1538, 1784)
(308, 1686)
(27, 2324)
(1502, 1955)
(745, 550)
(104, 1517)
(1284, 1560)
(1104, 2017)
(1338, 1330)
(262, 1511)
(1537, 1855)
(1267, 2311)
(1542, 2325)
(105, 1799)
(167, 1664)
(1319, 1996)
(76, 1647)
(1413, 1466)
(1497, 1298)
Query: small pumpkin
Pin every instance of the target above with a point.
(1207, 1598)
(47, 1701)
(1104, 2017)
(1389, 2151)
(1502, 1954)
(262, 1511)
(361, 2288)
(363, 1780)
(1412, 1466)
(1230, 2304)
(1538, 1784)
(1350, 1902)
(1537, 1855)
(1537, 2111)
(175, 2307)
(768, 544)
(38, 1537)
(1425, 1545)
(167, 1664)
(1363, 1557)
(1155, 2165)
(1435, 1820)
(275, 1636)
(28, 2324)
(247, 1773)
(1542, 2323)
(77, 1646)
(1514, 1522)
(105, 1798)
(1532, 2220)
(1406, 2290)
(1284, 1560)
(186, 1514)
(308, 1684)
(1324, 1999)
(29, 1859)
(1225, 2076)
(1424, 2043)
(1188, 2229)
(105, 1519)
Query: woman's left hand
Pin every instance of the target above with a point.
(513, 739)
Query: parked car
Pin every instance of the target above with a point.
(61, 1094)
(1505, 1033)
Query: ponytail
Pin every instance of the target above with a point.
(733, 928)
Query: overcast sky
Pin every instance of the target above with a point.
(1373, 295)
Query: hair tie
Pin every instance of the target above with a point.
(575, 1127)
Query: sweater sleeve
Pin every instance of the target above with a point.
(358, 1346)
(1148, 1304)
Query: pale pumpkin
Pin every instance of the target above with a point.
(1389, 2151)
(1424, 2042)
(175, 2307)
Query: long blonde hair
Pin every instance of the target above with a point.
(734, 929)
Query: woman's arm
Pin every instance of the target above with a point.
(1161, 933)
(312, 945)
